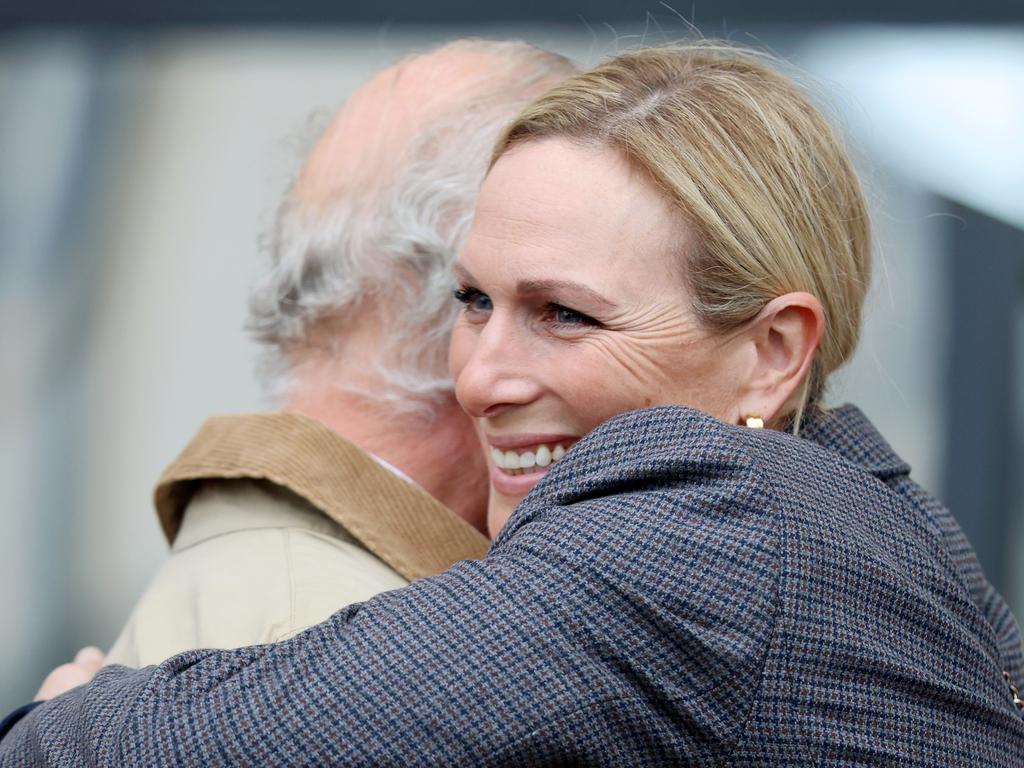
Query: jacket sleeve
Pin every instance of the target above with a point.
(618, 600)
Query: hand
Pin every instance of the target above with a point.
(67, 676)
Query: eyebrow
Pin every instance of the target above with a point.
(567, 288)
(573, 291)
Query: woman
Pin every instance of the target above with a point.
(681, 226)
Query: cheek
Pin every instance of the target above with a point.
(603, 380)
(699, 377)
(620, 375)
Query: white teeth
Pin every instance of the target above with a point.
(543, 456)
(498, 458)
(512, 461)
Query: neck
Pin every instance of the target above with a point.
(439, 452)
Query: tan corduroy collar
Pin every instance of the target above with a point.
(400, 523)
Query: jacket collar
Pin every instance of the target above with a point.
(222, 507)
(846, 430)
(397, 521)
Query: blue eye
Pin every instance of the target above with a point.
(565, 316)
(475, 301)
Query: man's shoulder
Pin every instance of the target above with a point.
(398, 521)
(252, 566)
(277, 447)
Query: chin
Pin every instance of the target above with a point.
(499, 511)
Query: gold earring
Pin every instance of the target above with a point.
(755, 422)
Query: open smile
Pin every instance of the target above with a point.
(532, 459)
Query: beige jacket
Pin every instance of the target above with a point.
(275, 523)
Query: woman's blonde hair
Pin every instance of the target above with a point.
(761, 179)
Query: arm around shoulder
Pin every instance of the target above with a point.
(604, 602)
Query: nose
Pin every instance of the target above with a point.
(493, 369)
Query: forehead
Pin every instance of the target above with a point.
(558, 204)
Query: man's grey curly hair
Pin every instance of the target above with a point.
(395, 244)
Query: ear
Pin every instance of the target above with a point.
(784, 338)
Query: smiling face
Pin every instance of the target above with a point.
(575, 311)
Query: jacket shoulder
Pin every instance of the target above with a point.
(247, 586)
(662, 528)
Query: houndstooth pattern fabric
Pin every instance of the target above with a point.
(675, 592)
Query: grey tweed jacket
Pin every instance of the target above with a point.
(675, 592)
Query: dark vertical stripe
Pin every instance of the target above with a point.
(986, 263)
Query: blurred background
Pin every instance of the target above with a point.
(144, 147)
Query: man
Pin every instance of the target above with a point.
(371, 475)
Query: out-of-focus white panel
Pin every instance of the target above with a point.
(943, 107)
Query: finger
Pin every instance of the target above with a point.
(89, 655)
(63, 678)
